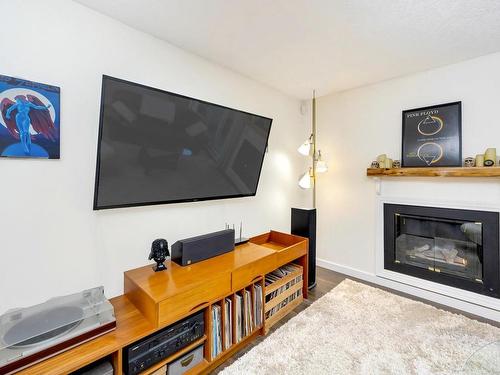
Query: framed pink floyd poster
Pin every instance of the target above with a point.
(432, 136)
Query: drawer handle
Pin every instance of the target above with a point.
(186, 361)
(199, 305)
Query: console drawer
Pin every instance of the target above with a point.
(245, 275)
(291, 253)
(181, 304)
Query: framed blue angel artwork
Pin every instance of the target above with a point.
(29, 119)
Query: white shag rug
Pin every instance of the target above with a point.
(359, 329)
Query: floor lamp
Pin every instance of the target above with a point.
(304, 220)
(308, 148)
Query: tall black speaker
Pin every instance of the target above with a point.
(304, 224)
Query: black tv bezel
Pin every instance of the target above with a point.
(96, 207)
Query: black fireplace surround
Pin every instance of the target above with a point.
(454, 247)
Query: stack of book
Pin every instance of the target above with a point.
(216, 330)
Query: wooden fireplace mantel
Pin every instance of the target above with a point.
(435, 172)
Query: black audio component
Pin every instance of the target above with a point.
(304, 224)
(195, 249)
(148, 351)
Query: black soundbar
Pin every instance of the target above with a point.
(195, 249)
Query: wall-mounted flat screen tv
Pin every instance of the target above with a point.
(158, 147)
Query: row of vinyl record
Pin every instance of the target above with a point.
(279, 274)
(243, 318)
(276, 276)
(283, 303)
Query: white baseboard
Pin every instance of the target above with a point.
(353, 272)
(414, 291)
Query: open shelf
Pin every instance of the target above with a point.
(251, 304)
(435, 172)
(283, 294)
(174, 356)
(202, 367)
(199, 368)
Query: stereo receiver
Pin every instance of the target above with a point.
(148, 351)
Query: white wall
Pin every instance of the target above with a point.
(51, 242)
(355, 126)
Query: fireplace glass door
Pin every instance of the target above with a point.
(452, 247)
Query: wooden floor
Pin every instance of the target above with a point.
(326, 280)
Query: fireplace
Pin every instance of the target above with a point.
(454, 247)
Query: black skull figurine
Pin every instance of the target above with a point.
(159, 252)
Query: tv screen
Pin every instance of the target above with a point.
(159, 147)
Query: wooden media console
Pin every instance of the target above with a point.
(154, 300)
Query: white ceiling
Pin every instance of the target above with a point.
(330, 45)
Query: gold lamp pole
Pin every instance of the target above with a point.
(308, 148)
(314, 156)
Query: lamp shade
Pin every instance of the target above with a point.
(321, 166)
(305, 148)
(305, 181)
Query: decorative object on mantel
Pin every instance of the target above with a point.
(490, 157)
(308, 148)
(435, 172)
(480, 160)
(469, 162)
(432, 136)
(384, 162)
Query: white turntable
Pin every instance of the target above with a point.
(32, 334)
